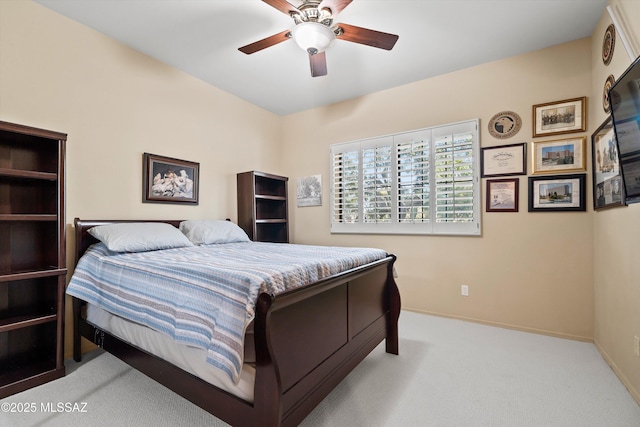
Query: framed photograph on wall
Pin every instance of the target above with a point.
(168, 180)
(309, 191)
(502, 195)
(608, 190)
(557, 193)
(560, 117)
(559, 155)
(504, 160)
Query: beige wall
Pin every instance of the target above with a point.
(596, 297)
(616, 232)
(115, 103)
(512, 269)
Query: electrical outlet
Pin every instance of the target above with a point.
(464, 290)
(636, 345)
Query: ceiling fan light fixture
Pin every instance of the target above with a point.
(313, 37)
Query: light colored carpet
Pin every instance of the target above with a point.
(449, 373)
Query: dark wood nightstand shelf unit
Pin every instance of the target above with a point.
(262, 206)
(32, 257)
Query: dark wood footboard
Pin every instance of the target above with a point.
(306, 341)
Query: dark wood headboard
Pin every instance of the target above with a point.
(84, 239)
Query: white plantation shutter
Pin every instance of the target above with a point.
(345, 187)
(457, 189)
(419, 182)
(377, 177)
(413, 153)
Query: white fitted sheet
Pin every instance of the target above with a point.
(188, 358)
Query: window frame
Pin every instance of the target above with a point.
(394, 226)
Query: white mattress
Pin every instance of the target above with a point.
(190, 359)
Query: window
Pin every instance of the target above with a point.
(420, 182)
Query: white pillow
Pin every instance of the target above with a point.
(139, 236)
(209, 232)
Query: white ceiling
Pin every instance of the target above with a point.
(202, 37)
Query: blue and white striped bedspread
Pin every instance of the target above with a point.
(205, 296)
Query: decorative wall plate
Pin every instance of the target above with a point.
(606, 104)
(505, 124)
(608, 44)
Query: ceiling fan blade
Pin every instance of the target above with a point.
(283, 6)
(265, 43)
(369, 37)
(318, 64)
(336, 6)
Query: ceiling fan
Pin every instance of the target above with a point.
(314, 31)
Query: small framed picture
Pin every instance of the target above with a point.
(557, 193)
(560, 117)
(560, 155)
(168, 180)
(502, 195)
(504, 160)
(309, 191)
(608, 190)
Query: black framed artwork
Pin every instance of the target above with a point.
(557, 193)
(504, 160)
(608, 189)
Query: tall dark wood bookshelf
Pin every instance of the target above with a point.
(32, 257)
(262, 206)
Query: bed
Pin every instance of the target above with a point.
(304, 341)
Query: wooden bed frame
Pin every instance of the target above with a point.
(306, 341)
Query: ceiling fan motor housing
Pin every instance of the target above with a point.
(313, 37)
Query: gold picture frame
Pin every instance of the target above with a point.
(559, 156)
(560, 117)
